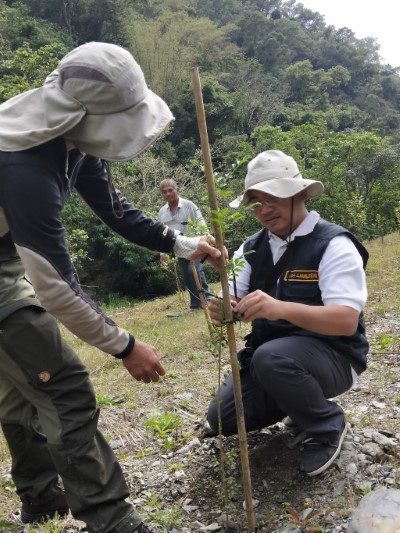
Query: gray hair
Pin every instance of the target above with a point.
(168, 181)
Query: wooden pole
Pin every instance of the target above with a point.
(201, 120)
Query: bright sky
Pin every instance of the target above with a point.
(366, 18)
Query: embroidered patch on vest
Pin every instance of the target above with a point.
(302, 275)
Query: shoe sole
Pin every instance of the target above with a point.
(334, 456)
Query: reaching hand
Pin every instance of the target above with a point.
(216, 309)
(258, 304)
(143, 363)
(206, 251)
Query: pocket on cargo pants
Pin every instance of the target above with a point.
(50, 375)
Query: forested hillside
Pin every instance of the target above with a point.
(274, 75)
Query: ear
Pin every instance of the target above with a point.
(303, 195)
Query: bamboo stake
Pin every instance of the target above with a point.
(201, 119)
(203, 300)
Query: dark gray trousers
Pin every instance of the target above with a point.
(292, 376)
(49, 415)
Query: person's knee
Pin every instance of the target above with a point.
(263, 362)
(271, 368)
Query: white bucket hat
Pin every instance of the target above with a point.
(277, 174)
(97, 98)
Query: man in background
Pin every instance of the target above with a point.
(178, 214)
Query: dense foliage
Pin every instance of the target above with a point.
(274, 75)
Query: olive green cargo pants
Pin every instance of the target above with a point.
(49, 414)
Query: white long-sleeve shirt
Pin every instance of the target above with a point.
(341, 274)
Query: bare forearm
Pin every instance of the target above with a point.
(326, 320)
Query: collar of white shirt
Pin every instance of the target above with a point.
(278, 245)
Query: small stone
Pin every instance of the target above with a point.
(373, 450)
(378, 405)
(372, 469)
(351, 468)
(196, 525)
(195, 443)
(212, 527)
(347, 446)
(339, 488)
(179, 474)
(382, 440)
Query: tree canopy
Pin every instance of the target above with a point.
(274, 75)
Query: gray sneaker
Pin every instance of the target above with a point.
(318, 456)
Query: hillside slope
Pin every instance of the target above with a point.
(175, 475)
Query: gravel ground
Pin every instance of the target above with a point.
(176, 477)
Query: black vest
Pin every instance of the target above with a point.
(299, 282)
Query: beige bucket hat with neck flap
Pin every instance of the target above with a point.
(97, 98)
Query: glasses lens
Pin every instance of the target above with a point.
(273, 200)
(257, 205)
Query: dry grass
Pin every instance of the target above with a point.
(383, 275)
